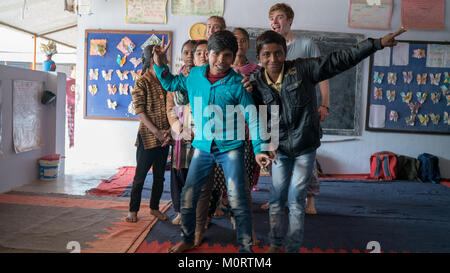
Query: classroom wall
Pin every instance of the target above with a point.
(17, 169)
(112, 142)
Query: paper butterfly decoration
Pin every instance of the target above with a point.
(93, 89)
(122, 75)
(407, 77)
(378, 93)
(421, 79)
(390, 94)
(393, 116)
(448, 99)
(435, 78)
(424, 119)
(134, 75)
(421, 97)
(435, 97)
(414, 107)
(126, 46)
(131, 89)
(93, 74)
(406, 97)
(378, 77)
(418, 53)
(121, 60)
(131, 108)
(444, 89)
(446, 77)
(107, 75)
(123, 89)
(410, 120)
(112, 89)
(112, 104)
(434, 118)
(136, 61)
(446, 119)
(392, 78)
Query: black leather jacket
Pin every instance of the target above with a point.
(299, 120)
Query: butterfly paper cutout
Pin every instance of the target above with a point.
(446, 77)
(131, 108)
(406, 97)
(123, 89)
(446, 119)
(444, 89)
(93, 89)
(134, 75)
(414, 107)
(393, 116)
(378, 77)
(112, 104)
(421, 78)
(435, 78)
(418, 53)
(390, 94)
(407, 77)
(107, 75)
(112, 89)
(435, 97)
(448, 99)
(410, 120)
(121, 60)
(378, 93)
(131, 89)
(434, 118)
(421, 97)
(93, 74)
(424, 119)
(136, 61)
(122, 75)
(392, 78)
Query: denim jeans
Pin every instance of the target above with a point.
(156, 157)
(199, 171)
(290, 176)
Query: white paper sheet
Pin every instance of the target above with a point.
(400, 54)
(382, 57)
(377, 117)
(438, 55)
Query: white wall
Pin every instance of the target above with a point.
(22, 168)
(111, 142)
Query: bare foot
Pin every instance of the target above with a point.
(310, 208)
(273, 249)
(159, 215)
(179, 248)
(177, 220)
(198, 238)
(265, 206)
(131, 217)
(311, 211)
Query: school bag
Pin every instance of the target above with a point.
(407, 168)
(429, 168)
(383, 166)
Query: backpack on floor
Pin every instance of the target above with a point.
(383, 166)
(407, 168)
(429, 168)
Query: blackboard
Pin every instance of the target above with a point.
(420, 104)
(345, 88)
(96, 105)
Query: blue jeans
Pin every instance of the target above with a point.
(199, 171)
(290, 176)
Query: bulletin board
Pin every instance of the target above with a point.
(408, 89)
(113, 60)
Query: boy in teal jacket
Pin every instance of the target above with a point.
(216, 92)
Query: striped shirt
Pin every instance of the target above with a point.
(150, 98)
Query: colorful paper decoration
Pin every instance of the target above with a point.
(134, 75)
(414, 107)
(446, 77)
(445, 90)
(131, 108)
(392, 78)
(121, 60)
(434, 118)
(378, 77)
(421, 78)
(421, 97)
(93, 74)
(424, 119)
(123, 89)
(126, 46)
(378, 93)
(111, 104)
(390, 95)
(131, 89)
(93, 89)
(407, 77)
(122, 75)
(153, 40)
(97, 47)
(418, 53)
(446, 118)
(406, 97)
(435, 97)
(136, 61)
(410, 120)
(112, 89)
(435, 78)
(107, 75)
(393, 116)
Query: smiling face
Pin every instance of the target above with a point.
(213, 25)
(280, 23)
(272, 57)
(201, 55)
(220, 62)
(187, 55)
(243, 43)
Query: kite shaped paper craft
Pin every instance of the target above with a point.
(126, 46)
(97, 47)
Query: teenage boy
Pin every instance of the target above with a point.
(214, 87)
(290, 86)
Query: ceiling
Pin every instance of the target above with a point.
(43, 18)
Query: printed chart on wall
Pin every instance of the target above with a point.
(409, 88)
(113, 61)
